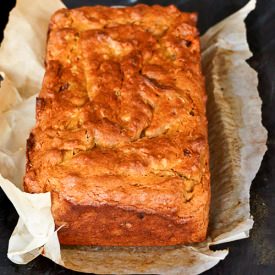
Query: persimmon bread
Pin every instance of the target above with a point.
(120, 138)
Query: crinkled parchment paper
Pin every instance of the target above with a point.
(236, 135)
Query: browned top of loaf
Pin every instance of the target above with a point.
(121, 114)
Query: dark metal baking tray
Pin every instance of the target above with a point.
(255, 255)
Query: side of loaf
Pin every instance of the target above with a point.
(120, 138)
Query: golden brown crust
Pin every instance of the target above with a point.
(117, 226)
(121, 132)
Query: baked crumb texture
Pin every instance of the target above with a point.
(121, 134)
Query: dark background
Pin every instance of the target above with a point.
(255, 255)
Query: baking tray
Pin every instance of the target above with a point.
(255, 255)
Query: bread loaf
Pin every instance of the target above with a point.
(120, 138)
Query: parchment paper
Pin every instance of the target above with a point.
(236, 135)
